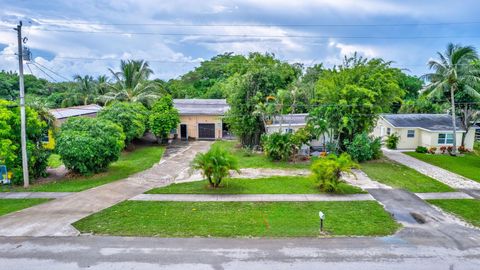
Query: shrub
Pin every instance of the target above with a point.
(421, 149)
(277, 146)
(328, 171)
(432, 150)
(392, 141)
(131, 116)
(450, 149)
(443, 149)
(89, 145)
(10, 148)
(215, 165)
(462, 149)
(163, 118)
(363, 147)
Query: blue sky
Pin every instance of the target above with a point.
(88, 37)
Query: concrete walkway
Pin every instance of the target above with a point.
(55, 218)
(443, 195)
(32, 195)
(449, 178)
(361, 180)
(252, 197)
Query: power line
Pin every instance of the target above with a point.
(61, 76)
(46, 74)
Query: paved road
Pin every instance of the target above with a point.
(54, 218)
(410, 249)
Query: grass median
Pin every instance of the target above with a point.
(239, 219)
(466, 209)
(12, 205)
(270, 185)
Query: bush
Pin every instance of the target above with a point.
(328, 171)
(163, 118)
(462, 149)
(450, 149)
(215, 165)
(392, 141)
(277, 146)
(131, 116)
(432, 150)
(443, 149)
(421, 149)
(10, 148)
(89, 145)
(364, 147)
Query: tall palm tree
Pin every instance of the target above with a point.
(86, 87)
(132, 84)
(452, 70)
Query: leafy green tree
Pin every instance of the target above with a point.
(163, 117)
(10, 150)
(215, 165)
(422, 104)
(328, 171)
(363, 147)
(454, 69)
(88, 145)
(131, 116)
(278, 146)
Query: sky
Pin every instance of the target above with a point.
(90, 37)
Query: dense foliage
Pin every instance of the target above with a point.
(278, 146)
(363, 147)
(328, 171)
(392, 141)
(89, 145)
(163, 117)
(10, 149)
(215, 165)
(131, 116)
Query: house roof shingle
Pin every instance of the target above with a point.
(432, 122)
(61, 113)
(201, 106)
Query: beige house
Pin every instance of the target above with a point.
(429, 130)
(201, 118)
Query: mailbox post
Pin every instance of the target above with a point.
(322, 217)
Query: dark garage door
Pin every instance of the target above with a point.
(206, 131)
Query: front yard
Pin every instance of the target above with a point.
(467, 209)
(467, 165)
(128, 163)
(239, 219)
(270, 185)
(12, 205)
(400, 176)
(248, 159)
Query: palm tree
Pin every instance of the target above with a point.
(453, 69)
(86, 87)
(132, 84)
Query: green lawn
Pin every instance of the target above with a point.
(54, 161)
(239, 219)
(254, 160)
(129, 163)
(467, 209)
(467, 165)
(399, 176)
(271, 185)
(12, 205)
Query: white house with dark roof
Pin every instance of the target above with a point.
(201, 118)
(429, 130)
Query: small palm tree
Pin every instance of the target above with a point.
(328, 171)
(215, 165)
(453, 69)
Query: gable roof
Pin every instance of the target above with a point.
(201, 106)
(431, 122)
(295, 119)
(61, 113)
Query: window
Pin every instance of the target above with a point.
(289, 130)
(410, 133)
(389, 131)
(445, 138)
(45, 138)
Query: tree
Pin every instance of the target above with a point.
(131, 116)
(328, 171)
(163, 117)
(88, 145)
(453, 70)
(422, 104)
(132, 84)
(215, 165)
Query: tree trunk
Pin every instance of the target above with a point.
(454, 121)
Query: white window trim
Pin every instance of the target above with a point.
(445, 140)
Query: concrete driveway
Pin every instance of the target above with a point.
(54, 218)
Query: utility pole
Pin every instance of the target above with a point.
(23, 132)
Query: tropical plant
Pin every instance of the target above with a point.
(328, 171)
(453, 69)
(363, 147)
(421, 149)
(432, 150)
(131, 116)
(392, 141)
(163, 117)
(132, 84)
(215, 165)
(278, 146)
(89, 145)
